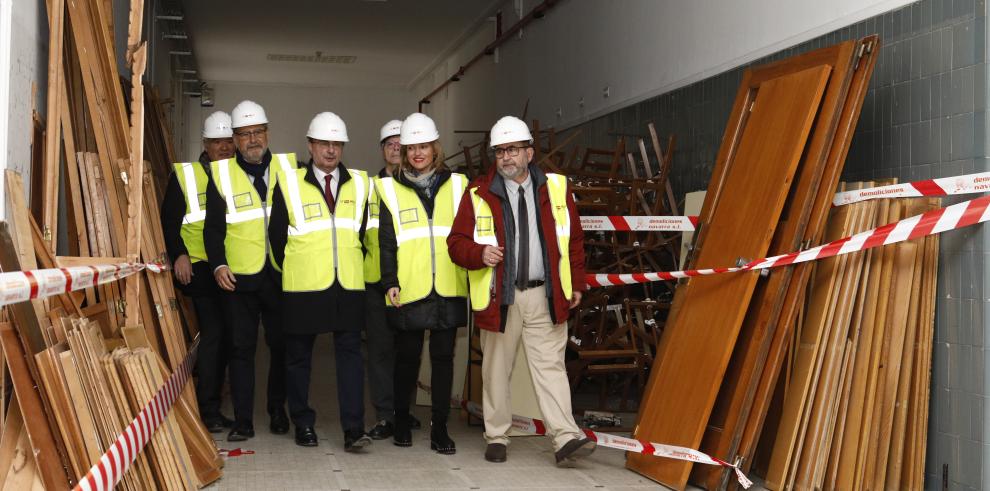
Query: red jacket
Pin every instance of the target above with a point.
(465, 252)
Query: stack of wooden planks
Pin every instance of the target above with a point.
(82, 365)
(853, 410)
(721, 349)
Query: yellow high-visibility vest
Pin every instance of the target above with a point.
(246, 242)
(483, 280)
(193, 180)
(424, 263)
(322, 247)
(372, 258)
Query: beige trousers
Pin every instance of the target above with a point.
(544, 343)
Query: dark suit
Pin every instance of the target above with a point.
(256, 297)
(307, 314)
(214, 336)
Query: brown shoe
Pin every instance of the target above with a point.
(495, 452)
(577, 447)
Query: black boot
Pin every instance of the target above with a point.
(403, 434)
(440, 440)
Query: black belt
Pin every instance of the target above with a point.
(531, 284)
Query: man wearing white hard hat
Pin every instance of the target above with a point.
(183, 213)
(381, 341)
(518, 234)
(318, 214)
(236, 237)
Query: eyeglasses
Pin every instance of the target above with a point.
(250, 134)
(395, 145)
(512, 151)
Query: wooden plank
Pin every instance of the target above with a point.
(701, 337)
(50, 466)
(53, 137)
(817, 326)
(84, 416)
(68, 427)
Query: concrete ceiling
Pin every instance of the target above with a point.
(393, 41)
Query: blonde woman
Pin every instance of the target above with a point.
(424, 289)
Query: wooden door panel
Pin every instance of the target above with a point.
(699, 338)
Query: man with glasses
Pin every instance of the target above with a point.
(518, 234)
(381, 343)
(237, 243)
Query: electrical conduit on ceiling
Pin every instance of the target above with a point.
(537, 13)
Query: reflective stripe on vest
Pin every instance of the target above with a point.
(372, 255)
(192, 179)
(482, 280)
(246, 241)
(419, 272)
(322, 249)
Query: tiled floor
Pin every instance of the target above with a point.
(279, 464)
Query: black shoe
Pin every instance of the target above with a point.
(306, 436)
(280, 422)
(355, 440)
(577, 447)
(402, 437)
(217, 423)
(240, 433)
(495, 452)
(440, 440)
(414, 423)
(382, 430)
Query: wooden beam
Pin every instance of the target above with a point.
(53, 472)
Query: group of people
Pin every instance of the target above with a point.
(307, 248)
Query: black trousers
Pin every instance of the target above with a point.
(350, 378)
(408, 348)
(244, 311)
(214, 351)
(381, 355)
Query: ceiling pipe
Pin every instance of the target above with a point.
(538, 12)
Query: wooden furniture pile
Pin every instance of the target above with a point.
(724, 345)
(83, 364)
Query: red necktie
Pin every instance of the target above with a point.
(328, 191)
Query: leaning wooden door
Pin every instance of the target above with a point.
(765, 142)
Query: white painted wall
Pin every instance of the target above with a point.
(290, 110)
(24, 63)
(637, 48)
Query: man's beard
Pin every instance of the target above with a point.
(254, 154)
(510, 174)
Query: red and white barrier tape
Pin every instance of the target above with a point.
(945, 186)
(933, 222)
(639, 223)
(112, 466)
(538, 427)
(18, 286)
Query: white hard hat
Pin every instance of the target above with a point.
(217, 125)
(329, 127)
(247, 113)
(391, 128)
(510, 129)
(418, 128)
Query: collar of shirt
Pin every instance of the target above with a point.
(321, 177)
(514, 187)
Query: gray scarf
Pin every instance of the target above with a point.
(422, 180)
